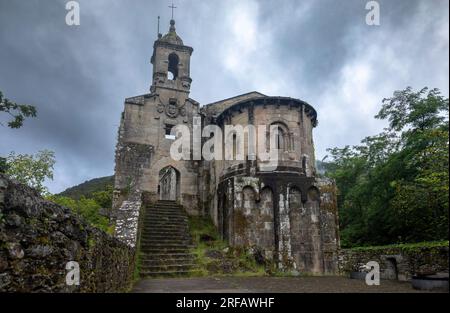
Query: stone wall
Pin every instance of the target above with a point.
(131, 161)
(397, 262)
(38, 238)
(290, 218)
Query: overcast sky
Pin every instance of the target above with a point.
(320, 51)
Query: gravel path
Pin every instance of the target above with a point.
(268, 285)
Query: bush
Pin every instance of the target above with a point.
(86, 208)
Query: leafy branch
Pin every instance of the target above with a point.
(17, 112)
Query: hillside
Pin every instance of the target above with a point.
(88, 187)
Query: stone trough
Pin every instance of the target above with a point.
(431, 282)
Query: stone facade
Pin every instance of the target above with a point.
(397, 263)
(38, 238)
(287, 212)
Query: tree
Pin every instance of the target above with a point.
(31, 170)
(89, 209)
(104, 197)
(18, 112)
(3, 165)
(393, 187)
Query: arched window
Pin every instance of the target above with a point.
(281, 136)
(174, 60)
(304, 162)
(279, 140)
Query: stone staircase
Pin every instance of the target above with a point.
(165, 241)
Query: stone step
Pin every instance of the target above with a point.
(167, 268)
(164, 242)
(165, 245)
(153, 256)
(165, 219)
(163, 236)
(164, 210)
(165, 204)
(165, 231)
(163, 262)
(166, 255)
(166, 227)
(165, 214)
(157, 245)
(165, 274)
(166, 223)
(164, 250)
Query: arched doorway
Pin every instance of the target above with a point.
(169, 184)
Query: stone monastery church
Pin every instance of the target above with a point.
(288, 213)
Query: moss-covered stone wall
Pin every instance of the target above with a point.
(38, 238)
(398, 261)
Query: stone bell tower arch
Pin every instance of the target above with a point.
(171, 66)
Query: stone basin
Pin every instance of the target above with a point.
(431, 282)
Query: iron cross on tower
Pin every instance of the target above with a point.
(172, 7)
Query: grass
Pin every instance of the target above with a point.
(137, 267)
(208, 242)
(404, 246)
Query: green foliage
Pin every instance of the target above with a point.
(237, 260)
(18, 112)
(201, 226)
(138, 266)
(87, 208)
(88, 188)
(88, 199)
(405, 246)
(31, 170)
(3, 165)
(393, 188)
(104, 197)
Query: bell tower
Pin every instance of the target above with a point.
(171, 66)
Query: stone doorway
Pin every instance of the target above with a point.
(391, 271)
(169, 184)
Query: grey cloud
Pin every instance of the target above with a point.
(79, 76)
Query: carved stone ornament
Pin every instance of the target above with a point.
(172, 110)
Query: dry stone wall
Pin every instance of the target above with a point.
(397, 262)
(38, 238)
